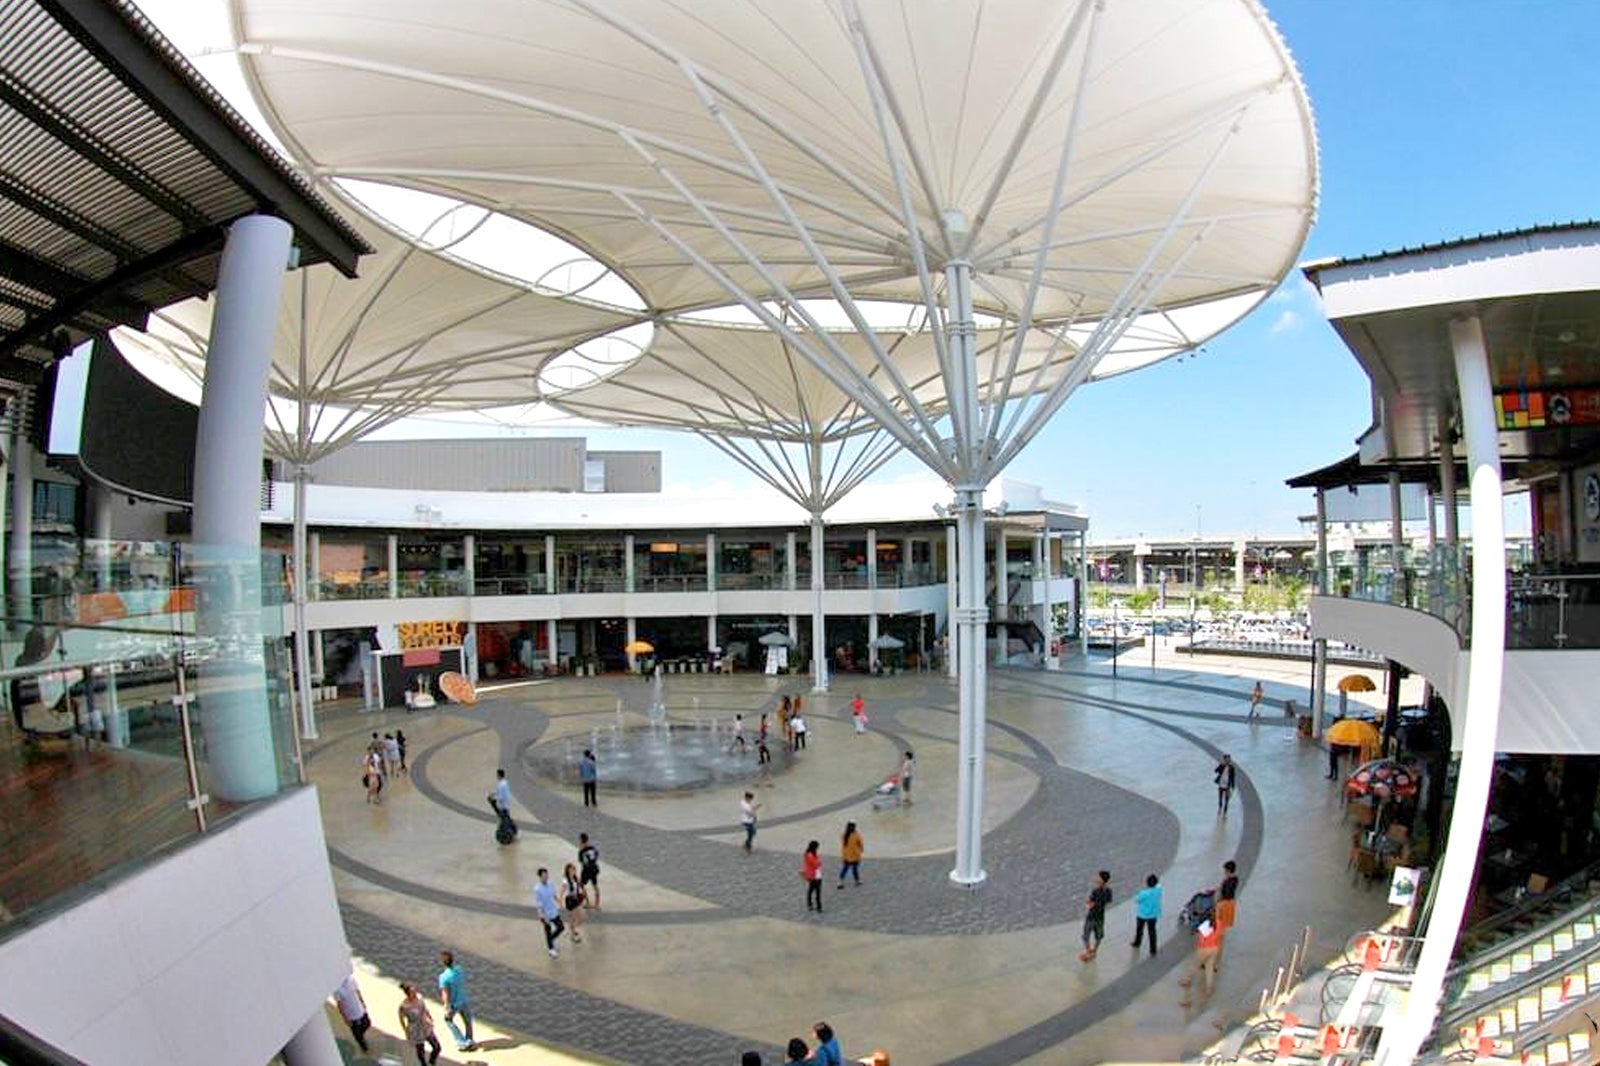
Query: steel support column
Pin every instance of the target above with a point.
(1319, 646)
(971, 616)
(819, 629)
(302, 582)
(1480, 721)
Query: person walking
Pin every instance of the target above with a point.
(738, 740)
(589, 870)
(502, 800)
(763, 752)
(798, 725)
(544, 901)
(1147, 912)
(1256, 696)
(1226, 777)
(850, 851)
(1227, 899)
(589, 777)
(572, 896)
(353, 1009)
(453, 994)
(785, 713)
(811, 873)
(747, 818)
(416, 1022)
(400, 744)
(858, 714)
(391, 755)
(908, 769)
(1207, 948)
(796, 1051)
(372, 775)
(1094, 915)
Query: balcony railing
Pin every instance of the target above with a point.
(1431, 580)
(135, 731)
(448, 584)
(1553, 611)
(727, 582)
(512, 585)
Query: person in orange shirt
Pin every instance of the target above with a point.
(1207, 947)
(811, 873)
(1227, 896)
(850, 851)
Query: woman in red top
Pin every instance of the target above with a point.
(811, 872)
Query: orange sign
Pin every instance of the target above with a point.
(431, 634)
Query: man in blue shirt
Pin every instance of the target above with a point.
(588, 774)
(453, 992)
(544, 901)
(502, 801)
(1147, 912)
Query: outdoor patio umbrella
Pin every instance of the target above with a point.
(1388, 774)
(888, 642)
(1357, 683)
(775, 639)
(1353, 733)
(638, 647)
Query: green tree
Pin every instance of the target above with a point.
(1099, 596)
(1141, 600)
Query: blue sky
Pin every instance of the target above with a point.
(1436, 119)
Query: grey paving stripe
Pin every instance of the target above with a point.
(542, 1008)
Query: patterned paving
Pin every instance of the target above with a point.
(1071, 825)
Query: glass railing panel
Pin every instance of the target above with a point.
(1553, 611)
(365, 589)
(1430, 580)
(511, 585)
(667, 583)
(844, 579)
(453, 583)
(124, 715)
(748, 582)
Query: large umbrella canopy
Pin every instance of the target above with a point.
(1357, 683)
(418, 331)
(1353, 733)
(888, 641)
(638, 647)
(776, 639)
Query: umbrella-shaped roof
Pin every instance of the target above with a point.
(1357, 683)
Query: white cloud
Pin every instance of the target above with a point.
(1285, 322)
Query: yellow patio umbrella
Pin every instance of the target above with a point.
(1352, 733)
(638, 647)
(1357, 683)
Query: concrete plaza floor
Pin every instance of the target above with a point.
(701, 951)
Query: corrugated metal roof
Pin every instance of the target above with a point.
(122, 169)
(1315, 266)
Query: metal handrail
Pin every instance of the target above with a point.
(1567, 886)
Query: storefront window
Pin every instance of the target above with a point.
(353, 566)
(431, 564)
(589, 565)
(509, 566)
(751, 564)
(667, 564)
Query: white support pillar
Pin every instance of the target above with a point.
(711, 631)
(711, 562)
(872, 598)
(236, 721)
(1397, 540)
(319, 665)
(392, 552)
(1002, 598)
(971, 616)
(550, 568)
(19, 553)
(1485, 669)
(1046, 610)
(1239, 546)
(630, 634)
(469, 562)
(1082, 602)
(628, 582)
(1319, 647)
(952, 574)
(819, 629)
(794, 635)
(1452, 514)
(552, 641)
(302, 591)
(791, 564)
(313, 1044)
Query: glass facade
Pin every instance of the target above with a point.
(588, 564)
(746, 561)
(509, 566)
(352, 566)
(431, 564)
(669, 564)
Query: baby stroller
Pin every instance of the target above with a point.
(887, 795)
(506, 831)
(1200, 908)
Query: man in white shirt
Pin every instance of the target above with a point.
(747, 818)
(549, 908)
(353, 1008)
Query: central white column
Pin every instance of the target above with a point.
(971, 616)
(1002, 599)
(1319, 647)
(791, 562)
(392, 560)
(235, 717)
(1480, 723)
(628, 582)
(872, 598)
(819, 629)
(550, 571)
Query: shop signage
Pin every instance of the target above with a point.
(1545, 408)
(431, 634)
(1586, 512)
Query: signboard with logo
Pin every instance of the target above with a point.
(1544, 408)
(1586, 485)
